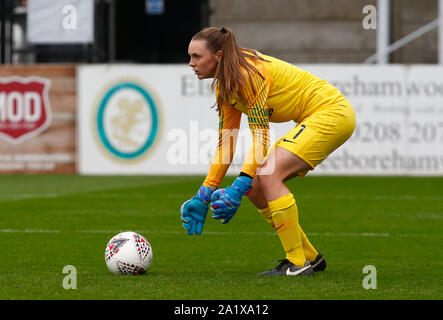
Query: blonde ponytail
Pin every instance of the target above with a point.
(230, 77)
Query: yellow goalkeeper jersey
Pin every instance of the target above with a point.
(285, 93)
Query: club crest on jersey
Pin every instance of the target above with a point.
(24, 108)
(127, 120)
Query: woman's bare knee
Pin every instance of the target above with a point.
(256, 195)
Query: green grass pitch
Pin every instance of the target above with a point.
(50, 221)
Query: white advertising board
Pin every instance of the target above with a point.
(138, 119)
(399, 113)
(60, 22)
(157, 119)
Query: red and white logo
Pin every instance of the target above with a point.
(24, 108)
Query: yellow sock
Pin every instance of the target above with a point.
(268, 215)
(285, 216)
(308, 248)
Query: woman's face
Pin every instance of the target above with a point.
(203, 62)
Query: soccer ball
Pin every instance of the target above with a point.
(128, 253)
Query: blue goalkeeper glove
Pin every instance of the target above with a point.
(193, 212)
(225, 202)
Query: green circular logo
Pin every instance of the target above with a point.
(127, 120)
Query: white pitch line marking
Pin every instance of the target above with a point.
(320, 234)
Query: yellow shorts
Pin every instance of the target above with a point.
(318, 135)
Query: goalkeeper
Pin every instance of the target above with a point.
(266, 90)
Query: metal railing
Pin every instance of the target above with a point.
(383, 49)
